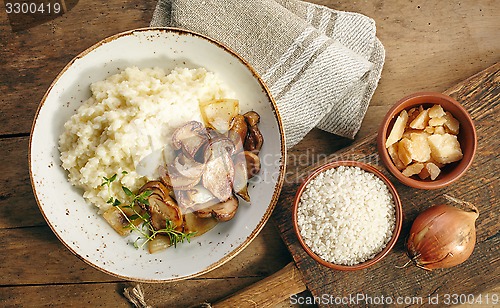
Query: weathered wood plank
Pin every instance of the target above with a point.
(32, 58)
(481, 96)
(176, 294)
(268, 291)
(18, 207)
(35, 256)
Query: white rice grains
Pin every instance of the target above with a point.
(129, 116)
(346, 215)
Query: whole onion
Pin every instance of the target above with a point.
(443, 235)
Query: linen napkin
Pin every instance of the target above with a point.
(321, 65)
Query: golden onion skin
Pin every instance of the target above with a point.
(442, 236)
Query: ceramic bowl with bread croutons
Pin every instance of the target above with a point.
(427, 140)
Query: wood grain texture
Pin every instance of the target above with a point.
(268, 291)
(480, 95)
(109, 294)
(24, 247)
(430, 45)
(32, 58)
(18, 207)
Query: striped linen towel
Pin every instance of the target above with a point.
(321, 65)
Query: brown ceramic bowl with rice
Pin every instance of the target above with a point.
(452, 164)
(347, 215)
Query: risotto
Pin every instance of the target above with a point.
(129, 116)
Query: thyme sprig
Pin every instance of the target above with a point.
(149, 233)
(144, 226)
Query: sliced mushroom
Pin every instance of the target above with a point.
(188, 167)
(252, 118)
(180, 182)
(203, 212)
(164, 177)
(252, 163)
(226, 210)
(200, 155)
(163, 209)
(222, 211)
(240, 180)
(189, 137)
(218, 147)
(197, 196)
(238, 131)
(254, 140)
(200, 195)
(212, 133)
(182, 200)
(157, 187)
(218, 176)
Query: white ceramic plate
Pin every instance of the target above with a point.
(77, 223)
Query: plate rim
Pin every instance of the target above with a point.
(277, 188)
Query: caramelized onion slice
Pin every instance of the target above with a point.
(159, 243)
(116, 220)
(219, 113)
(193, 223)
(240, 179)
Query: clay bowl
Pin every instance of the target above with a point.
(466, 137)
(398, 214)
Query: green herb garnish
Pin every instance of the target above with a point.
(144, 226)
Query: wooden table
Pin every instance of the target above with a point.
(430, 45)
